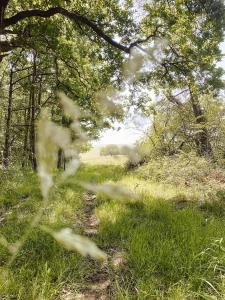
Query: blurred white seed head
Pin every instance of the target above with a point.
(132, 67)
(46, 151)
(108, 101)
(113, 191)
(69, 107)
(75, 242)
(71, 168)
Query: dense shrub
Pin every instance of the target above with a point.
(186, 170)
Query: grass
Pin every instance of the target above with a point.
(43, 268)
(169, 252)
(174, 245)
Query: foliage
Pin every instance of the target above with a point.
(186, 67)
(193, 31)
(174, 130)
(93, 157)
(66, 57)
(169, 225)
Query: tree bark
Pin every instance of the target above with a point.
(6, 151)
(3, 5)
(61, 163)
(26, 133)
(202, 139)
(33, 158)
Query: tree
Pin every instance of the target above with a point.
(192, 31)
(173, 129)
(67, 57)
(76, 54)
(18, 20)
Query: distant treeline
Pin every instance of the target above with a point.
(112, 150)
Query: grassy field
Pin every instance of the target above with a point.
(170, 246)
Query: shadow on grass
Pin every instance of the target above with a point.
(165, 248)
(99, 173)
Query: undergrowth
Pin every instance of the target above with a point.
(198, 176)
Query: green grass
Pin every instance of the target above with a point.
(169, 252)
(43, 268)
(172, 251)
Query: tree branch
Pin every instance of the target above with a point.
(70, 15)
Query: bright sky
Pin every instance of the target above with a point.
(126, 133)
(129, 132)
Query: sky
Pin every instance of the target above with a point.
(126, 133)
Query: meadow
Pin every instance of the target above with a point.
(161, 244)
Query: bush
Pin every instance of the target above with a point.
(186, 170)
(110, 150)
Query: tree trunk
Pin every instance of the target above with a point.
(6, 151)
(3, 5)
(61, 164)
(26, 134)
(33, 158)
(202, 140)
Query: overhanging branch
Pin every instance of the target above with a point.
(75, 17)
(70, 15)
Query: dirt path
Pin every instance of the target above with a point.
(99, 285)
(90, 220)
